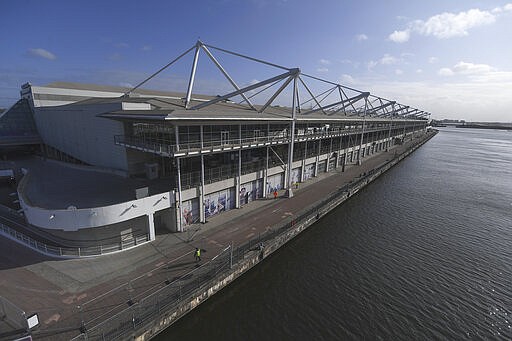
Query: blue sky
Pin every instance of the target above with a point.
(451, 58)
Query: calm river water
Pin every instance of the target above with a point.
(423, 253)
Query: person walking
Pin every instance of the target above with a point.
(198, 254)
(275, 194)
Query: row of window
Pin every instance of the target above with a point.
(232, 134)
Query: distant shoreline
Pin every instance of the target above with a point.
(482, 126)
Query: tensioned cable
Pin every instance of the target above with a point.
(162, 69)
(247, 57)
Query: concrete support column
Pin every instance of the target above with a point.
(302, 172)
(317, 158)
(151, 226)
(265, 179)
(177, 206)
(179, 215)
(304, 159)
(344, 161)
(286, 174)
(265, 174)
(327, 165)
(202, 218)
(237, 192)
(237, 180)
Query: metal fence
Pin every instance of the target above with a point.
(166, 299)
(63, 251)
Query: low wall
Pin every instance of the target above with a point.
(79, 218)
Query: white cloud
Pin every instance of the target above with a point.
(419, 71)
(388, 60)
(122, 45)
(146, 48)
(471, 69)
(325, 62)
(448, 25)
(400, 36)
(433, 60)
(322, 69)
(476, 72)
(398, 72)
(445, 72)
(361, 37)
(39, 52)
(461, 100)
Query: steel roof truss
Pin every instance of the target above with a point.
(247, 88)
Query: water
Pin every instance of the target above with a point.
(423, 253)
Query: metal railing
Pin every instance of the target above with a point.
(62, 251)
(163, 147)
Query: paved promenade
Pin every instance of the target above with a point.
(104, 285)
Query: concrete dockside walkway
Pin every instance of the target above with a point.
(105, 285)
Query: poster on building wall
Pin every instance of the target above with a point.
(251, 191)
(332, 163)
(295, 175)
(341, 159)
(321, 166)
(217, 202)
(190, 211)
(309, 171)
(245, 193)
(274, 183)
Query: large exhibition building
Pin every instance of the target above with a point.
(208, 154)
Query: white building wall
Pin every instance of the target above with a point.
(77, 131)
(75, 219)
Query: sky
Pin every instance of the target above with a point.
(451, 58)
